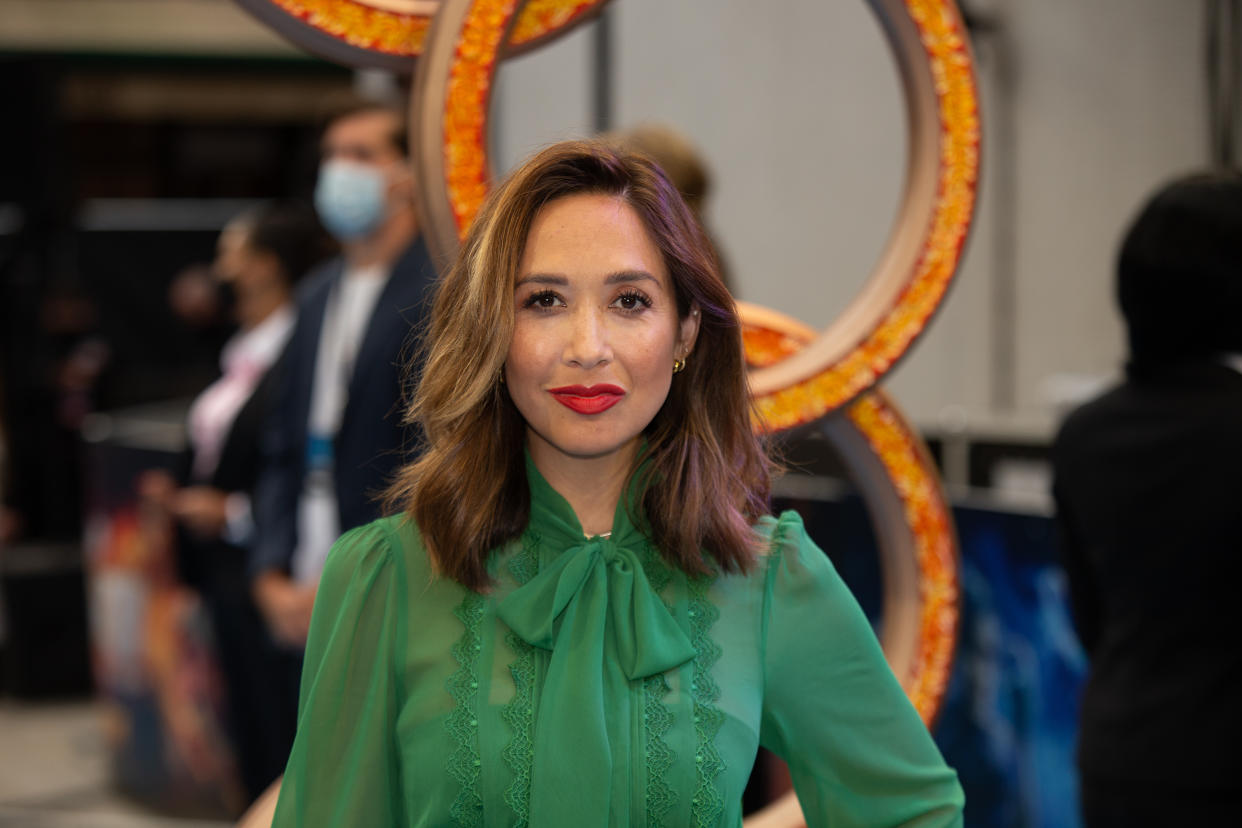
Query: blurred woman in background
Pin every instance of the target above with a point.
(260, 257)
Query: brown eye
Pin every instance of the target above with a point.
(542, 300)
(632, 301)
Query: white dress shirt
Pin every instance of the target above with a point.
(245, 359)
(345, 321)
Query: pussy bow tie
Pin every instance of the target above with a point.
(595, 610)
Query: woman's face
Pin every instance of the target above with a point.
(595, 329)
(248, 270)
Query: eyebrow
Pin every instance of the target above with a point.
(620, 277)
(623, 276)
(542, 279)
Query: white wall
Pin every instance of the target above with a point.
(797, 109)
(1108, 108)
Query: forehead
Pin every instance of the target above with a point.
(372, 129)
(590, 235)
(233, 237)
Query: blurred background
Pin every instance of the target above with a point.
(136, 129)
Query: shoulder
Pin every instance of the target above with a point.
(777, 532)
(317, 282)
(389, 545)
(790, 562)
(369, 546)
(412, 275)
(415, 260)
(1087, 419)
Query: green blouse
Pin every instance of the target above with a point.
(594, 685)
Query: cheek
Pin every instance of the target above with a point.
(649, 363)
(652, 349)
(242, 279)
(651, 360)
(529, 354)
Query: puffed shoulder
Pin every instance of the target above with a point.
(392, 542)
(780, 535)
(377, 551)
(775, 528)
(793, 563)
(366, 547)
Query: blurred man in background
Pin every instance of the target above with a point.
(336, 433)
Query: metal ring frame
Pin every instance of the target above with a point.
(799, 377)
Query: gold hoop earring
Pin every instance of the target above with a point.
(679, 365)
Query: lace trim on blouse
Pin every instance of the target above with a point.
(463, 725)
(706, 805)
(464, 763)
(519, 713)
(657, 718)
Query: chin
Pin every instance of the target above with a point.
(584, 447)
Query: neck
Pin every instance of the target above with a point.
(386, 244)
(253, 310)
(592, 485)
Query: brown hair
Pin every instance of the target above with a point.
(708, 477)
(347, 106)
(677, 157)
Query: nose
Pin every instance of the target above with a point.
(588, 344)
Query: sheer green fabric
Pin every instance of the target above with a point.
(596, 686)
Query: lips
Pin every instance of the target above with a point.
(593, 399)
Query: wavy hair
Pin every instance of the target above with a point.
(707, 476)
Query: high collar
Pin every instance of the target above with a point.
(554, 520)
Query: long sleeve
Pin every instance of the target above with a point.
(344, 767)
(858, 752)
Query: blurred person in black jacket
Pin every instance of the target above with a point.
(336, 433)
(1149, 503)
(261, 256)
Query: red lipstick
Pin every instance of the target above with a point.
(593, 399)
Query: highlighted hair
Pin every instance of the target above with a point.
(708, 478)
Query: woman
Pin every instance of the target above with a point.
(583, 615)
(260, 257)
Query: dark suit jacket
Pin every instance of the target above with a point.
(372, 442)
(261, 679)
(238, 466)
(1149, 499)
(203, 562)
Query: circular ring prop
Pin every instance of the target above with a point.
(897, 479)
(918, 547)
(921, 255)
(387, 34)
(800, 376)
(925, 245)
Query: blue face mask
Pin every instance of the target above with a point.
(350, 198)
